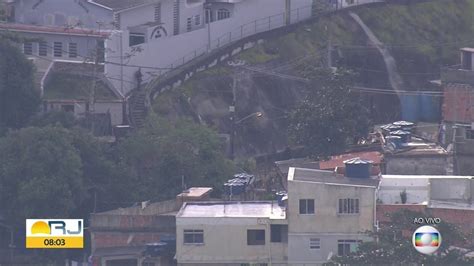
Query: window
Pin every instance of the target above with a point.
(67, 108)
(469, 134)
(223, 14)
(314, 243)
(193, 237)
(348, 206)
(28, 48)
(344, 247)
(72, 50)
(58, 49)
(146, 263)
(209, 16)
(158, 12)
(197, 20)
(189, 24)
(255, 237)
(117, 20)
(43, 48)
(278, 233)
(306, 206)
(136, 38)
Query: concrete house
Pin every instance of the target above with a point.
(231, 233)
(458, 113)
(327, 214)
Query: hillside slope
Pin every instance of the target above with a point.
(421, 37)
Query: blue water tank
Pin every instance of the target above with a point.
(410, 107)
(358, 168)
(430, 108)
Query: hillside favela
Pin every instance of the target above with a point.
(236, 132)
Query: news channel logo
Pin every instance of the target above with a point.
(54, 233)
(426, 239)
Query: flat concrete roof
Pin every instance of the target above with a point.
(244, 209)
(426, 176)
(196, 192)
(328, 177)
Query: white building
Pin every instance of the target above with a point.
(326, 215)
(426, 190)
(231, 233)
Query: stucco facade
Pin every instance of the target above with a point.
(325, 224)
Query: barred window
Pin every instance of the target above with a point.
(43, 48)
(348, 206)
(28, 48)
(72, 50)
(58, 49)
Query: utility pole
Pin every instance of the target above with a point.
(233, 115)
(94, 82)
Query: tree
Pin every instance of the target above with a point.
(393, 245)
(330, 117)
(54, 118)
(19, 100)
(160, 156)
(40, 174)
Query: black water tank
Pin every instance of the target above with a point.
(358, 168)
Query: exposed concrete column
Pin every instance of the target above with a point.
(288, 12)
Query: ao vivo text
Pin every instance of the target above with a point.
(427, 220)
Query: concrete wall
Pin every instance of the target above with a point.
(417, 189)
(419, 165)
(114, 108)
(300, 254)
(225, 242)
(86, 46)
(458, 189)
(176, 50)
(325, 222)
(326, 218)
(61, 13)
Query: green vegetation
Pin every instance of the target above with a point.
(394, 245)
(70, 86)
(19, 99)
(329, 118)
(156, 159)
(432, 31)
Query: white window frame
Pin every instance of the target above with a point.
(43, 47)
(193, 232)
(223, 13)
(57, 49)
(74, 53)
(197, 20)
(307, 210)
(28, 46)
(348, 206)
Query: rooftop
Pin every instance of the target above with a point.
(338, 160)
(66, 81)
(245, 209)
(417, 147)
(196, 192)
(283, 166)
(328, 177)
(52, 30)
(117, 5)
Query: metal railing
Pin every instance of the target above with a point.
(258, 26)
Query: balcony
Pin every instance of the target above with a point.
(456, 74)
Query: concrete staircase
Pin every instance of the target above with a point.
(137, 108)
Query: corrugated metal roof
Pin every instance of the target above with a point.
(338, 160)
(358, 160)
(403, 123)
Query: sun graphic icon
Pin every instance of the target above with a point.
(40, 228)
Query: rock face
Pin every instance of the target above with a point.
(208, 97)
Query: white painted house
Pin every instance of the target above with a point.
(326, 215)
